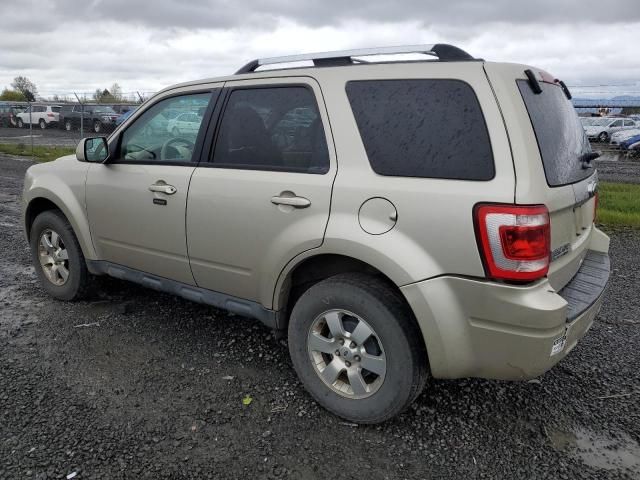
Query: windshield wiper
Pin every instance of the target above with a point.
(587, 158)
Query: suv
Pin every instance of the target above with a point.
(601, 129)
(42, 115)
(98, 118)
(396, 220)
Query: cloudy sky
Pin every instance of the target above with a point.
(80, 45)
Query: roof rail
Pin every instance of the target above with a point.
(442, 51)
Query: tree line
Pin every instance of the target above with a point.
(24, 90)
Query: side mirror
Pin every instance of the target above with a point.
(94, 150)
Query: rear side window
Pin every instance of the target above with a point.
(422, 128)
(560, 135)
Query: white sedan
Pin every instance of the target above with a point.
(185, 124)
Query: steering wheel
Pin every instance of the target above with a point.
(170, 142)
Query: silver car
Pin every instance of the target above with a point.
(601, 129)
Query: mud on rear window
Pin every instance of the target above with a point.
(559, 133)
(422, 128)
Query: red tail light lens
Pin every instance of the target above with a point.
(514, 241)
(49, 114)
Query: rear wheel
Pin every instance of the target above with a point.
(97, 126)
(357, 348)
(57, 257)
(42, 124)
(67, 125)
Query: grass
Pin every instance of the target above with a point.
(40, 153)
(619, 204)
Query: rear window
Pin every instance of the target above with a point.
(55, 109)
(560, 135)
(422, 128)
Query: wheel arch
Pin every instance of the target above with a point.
(43, 200)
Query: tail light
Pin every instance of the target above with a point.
(514, 241)
(50, 115)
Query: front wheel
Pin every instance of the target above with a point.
(20, 123)
(57, 257)
(97, 127)
(67, 125)
(603, 137)
(357, 348)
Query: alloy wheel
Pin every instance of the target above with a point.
(54, 258)
(347, 354)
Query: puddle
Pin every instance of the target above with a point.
(599, 451)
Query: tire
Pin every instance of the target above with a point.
(76, 285)
(42, 124)
(603, 137)
(97, 126)
(20, 123)
(68, 126)
(395, 338)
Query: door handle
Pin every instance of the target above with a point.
(296, 202)
(163, 188)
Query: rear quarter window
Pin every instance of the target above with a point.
(431, 128)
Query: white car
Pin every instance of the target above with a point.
(622, 135)
(42, 115)
(185, 124)
(603, 128)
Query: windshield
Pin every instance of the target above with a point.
(561, 139)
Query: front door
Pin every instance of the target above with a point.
(136, 202)
(264, 196)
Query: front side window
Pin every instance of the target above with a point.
(275, 128)
(157, 135)
(429, 128)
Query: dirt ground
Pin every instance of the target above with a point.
(137, 384)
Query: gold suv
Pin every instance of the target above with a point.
(396, 218)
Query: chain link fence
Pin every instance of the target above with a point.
(53, 127)
(57, 124)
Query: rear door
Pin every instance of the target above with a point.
(265, 194)
(552, 159)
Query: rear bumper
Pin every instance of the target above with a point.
(476, 328)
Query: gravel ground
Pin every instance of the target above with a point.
(137, 384)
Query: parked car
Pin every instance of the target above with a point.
(97, 118)
(124, 116)
(618, 137)
(42, 115)
(627, 143)
(8, 114)
(368, 238)
(185, 124)
(603, 128)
